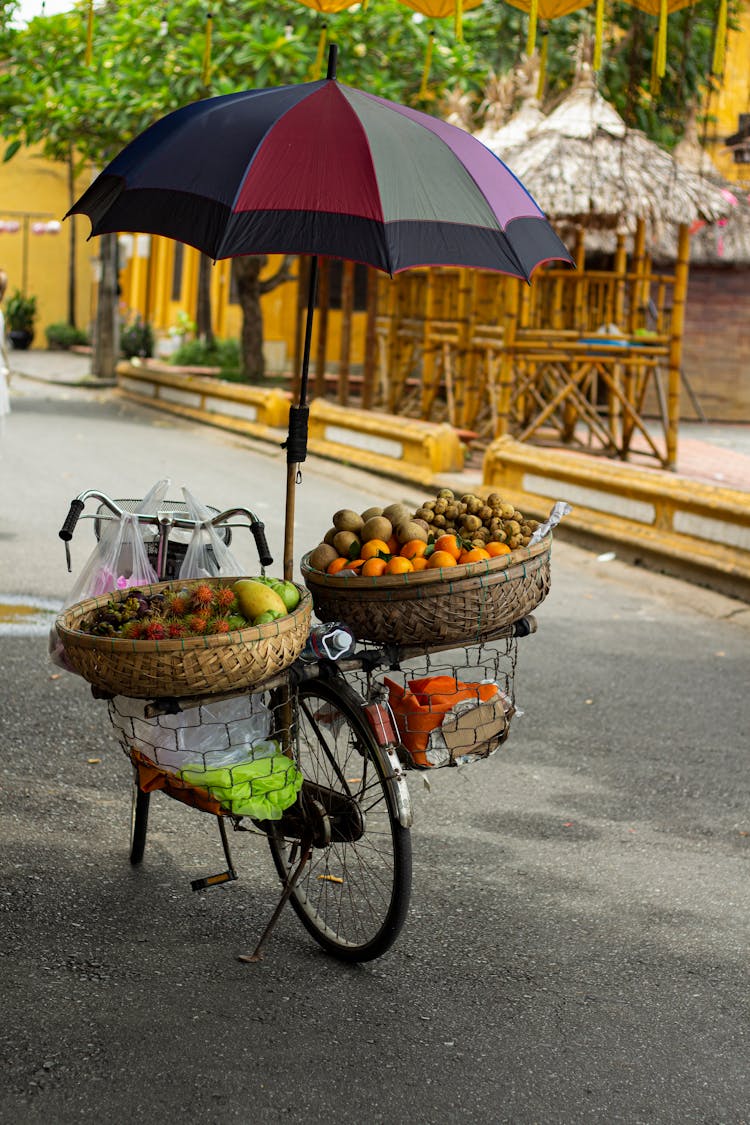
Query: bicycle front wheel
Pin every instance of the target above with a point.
(353, 894)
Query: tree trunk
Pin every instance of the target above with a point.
(204, 326)
(106, 335)
(247, 275)
(71, 244)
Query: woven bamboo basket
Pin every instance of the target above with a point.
(187, 666)
(463, 604)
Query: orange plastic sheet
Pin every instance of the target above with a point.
(151, 779)
(422, 706)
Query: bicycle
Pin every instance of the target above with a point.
(342, 850)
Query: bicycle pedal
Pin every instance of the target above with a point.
(213, 880)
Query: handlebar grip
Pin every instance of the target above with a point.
(259, 531)
(67, 529)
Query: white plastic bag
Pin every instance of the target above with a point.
(207, 555)
(119, 560)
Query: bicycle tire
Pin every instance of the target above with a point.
(353, 894)
(138, 821)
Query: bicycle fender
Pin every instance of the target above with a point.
(395, 776)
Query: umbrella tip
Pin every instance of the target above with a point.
(332, 56)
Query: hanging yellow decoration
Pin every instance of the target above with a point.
(329, 5)
(543, 10)
(598, 35)
(542, 65)
(317, 66)
(444, 9)
(427, 64)
(459, 21)
(720, 46)
(89, 57)
(206, 72)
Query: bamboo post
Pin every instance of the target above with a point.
(621, 262)
(578, 281)
(429, 353)
(464, 366)
(303, 282)
(675, 342)
(347, 311)
(639, 249)
(324, 301)
(371, 342)
(505, 389)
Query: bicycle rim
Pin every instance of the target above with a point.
(353, 894)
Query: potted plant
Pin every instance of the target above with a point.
(20, 314)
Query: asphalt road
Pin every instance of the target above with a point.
(577, 946)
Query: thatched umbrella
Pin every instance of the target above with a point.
(585, 167)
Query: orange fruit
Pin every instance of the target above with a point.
(344, 564)
(476, 554)
(414, 549)
(373, 568)
(398, 565)
(374, 547)
(494, 549)
(439, 558)
(450, 544)
(419, 563)
(393, 545)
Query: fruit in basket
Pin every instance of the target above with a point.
(323, 556)
(255, 598)
(377, 527)
(409, 530)
(440, 558)
(370, 512)
(343, 541)
(374, 547)
(347, 520)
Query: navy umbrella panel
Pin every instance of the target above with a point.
(322, 169)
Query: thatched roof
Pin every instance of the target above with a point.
(583, 165)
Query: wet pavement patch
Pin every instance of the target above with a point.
(24, 616)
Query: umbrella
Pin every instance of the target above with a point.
(321, 169)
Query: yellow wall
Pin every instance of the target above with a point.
(146, 281)
(731, 99)
(37, 191)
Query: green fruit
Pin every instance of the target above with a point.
(256, 598)
(269, 615)
(237, 621)
(288, 593)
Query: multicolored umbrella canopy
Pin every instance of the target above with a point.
(322, 169)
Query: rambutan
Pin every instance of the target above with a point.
(225, 600)
(176, 629)
(220, 625)
(177, 605)
(197, 623)
(155, 631)
(132, 630)
(202, 596)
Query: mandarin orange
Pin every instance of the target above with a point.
(373, 567)
(441, 558)
(476, 554)
(414, 549)
(398, 565)
(419, 563)
(495, 548)
(344, 564)
(449, 543)
(374, 547)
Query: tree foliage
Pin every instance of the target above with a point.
(147, 61)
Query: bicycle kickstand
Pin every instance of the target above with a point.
(257, 954)
(227, 876)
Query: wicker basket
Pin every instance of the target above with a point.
(463, 604)
(186, 666)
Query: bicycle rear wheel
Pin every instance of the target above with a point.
(138, 821)
(353, 894)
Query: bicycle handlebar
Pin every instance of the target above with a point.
(172, 520)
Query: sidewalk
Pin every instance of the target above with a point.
(713, 452)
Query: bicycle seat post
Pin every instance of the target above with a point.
(165, 526)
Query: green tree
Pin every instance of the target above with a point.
(146, 61)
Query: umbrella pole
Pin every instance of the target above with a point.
(296, 442)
